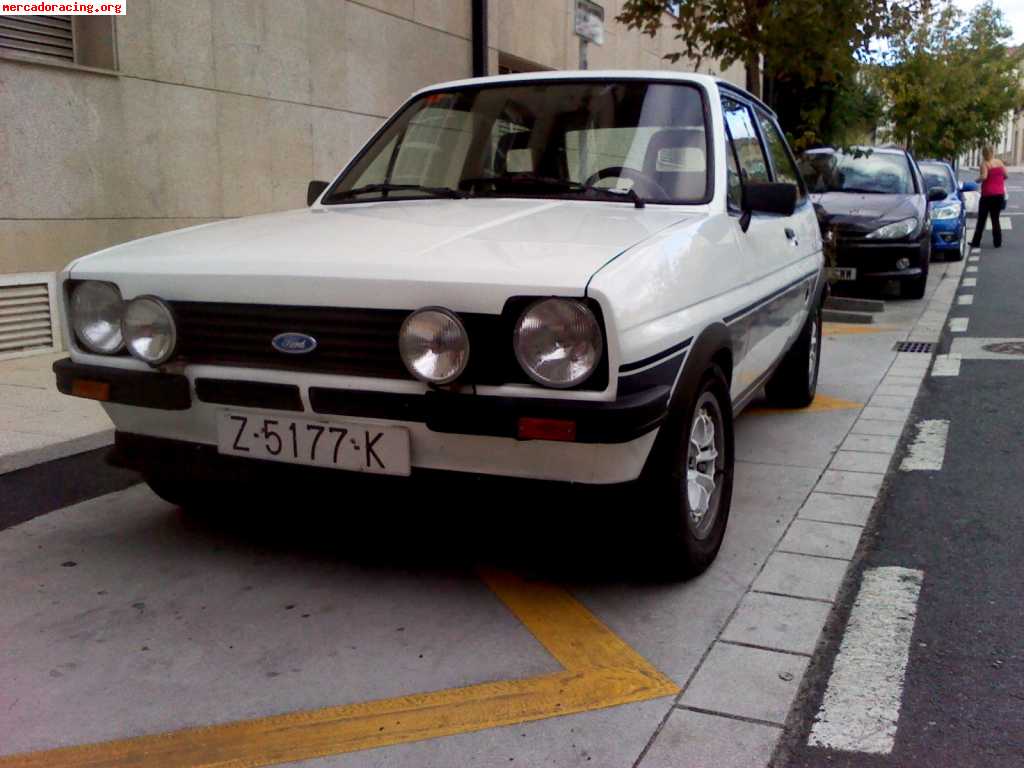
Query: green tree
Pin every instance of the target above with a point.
(951, 84)
(807, 41)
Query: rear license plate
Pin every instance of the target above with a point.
(842, 273)
(339, 445)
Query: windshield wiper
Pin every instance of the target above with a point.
(525, 180)
(859, 191)
(568, 185)
(370, 188)
(631, 194)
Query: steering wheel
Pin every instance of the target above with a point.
(648, 187)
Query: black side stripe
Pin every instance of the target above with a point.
(770, 297)
(655, 357)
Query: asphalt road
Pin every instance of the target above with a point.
(962, 526)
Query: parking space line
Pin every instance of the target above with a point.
(861, 707)
(601, 671)
(946, 365)
(820, 403)
(928, 451)
(852, 329)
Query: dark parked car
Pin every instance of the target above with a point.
(872, 205)
(949, 215)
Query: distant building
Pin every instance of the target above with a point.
(179, 113)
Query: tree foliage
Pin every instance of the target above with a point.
(806, 41)
(950, 85)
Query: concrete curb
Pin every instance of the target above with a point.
(12, 462)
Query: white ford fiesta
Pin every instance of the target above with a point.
(574, 276)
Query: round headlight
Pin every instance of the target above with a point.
(96, 316)
(149, 330)
(434, 345)
(558, 342)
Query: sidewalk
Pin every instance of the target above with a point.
(39, 424)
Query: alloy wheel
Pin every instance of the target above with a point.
(704, 465)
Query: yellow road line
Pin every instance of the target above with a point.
(820, 404)
(852, 329)
(600, 671)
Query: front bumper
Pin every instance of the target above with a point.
(457, 431)
(877, 261)
(946, 234)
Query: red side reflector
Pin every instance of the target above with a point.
(94, 390)
(546, 429)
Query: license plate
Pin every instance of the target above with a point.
(842, 273)
(339, 445)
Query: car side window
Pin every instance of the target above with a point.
(753, 164)
(782, 160)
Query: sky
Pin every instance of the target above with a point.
(1013, 11)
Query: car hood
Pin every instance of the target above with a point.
(468, 254)
(853, 212)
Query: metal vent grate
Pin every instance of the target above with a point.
(26, 315)
(48, 36)
(913, 346)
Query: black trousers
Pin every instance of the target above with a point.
(989, 205)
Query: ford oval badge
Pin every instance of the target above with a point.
(293, 343)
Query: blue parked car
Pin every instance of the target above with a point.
(949, 216)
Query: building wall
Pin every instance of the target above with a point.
(224, 108)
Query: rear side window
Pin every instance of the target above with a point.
(782, 160)
(753, 165)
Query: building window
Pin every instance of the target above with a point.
(84, 40)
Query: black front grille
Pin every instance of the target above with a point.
(351, 342)
(358, 342)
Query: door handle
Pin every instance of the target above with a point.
(791, 235)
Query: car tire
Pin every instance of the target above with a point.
(795, 382)
(688, 498)
(913, 288)
(961, 251)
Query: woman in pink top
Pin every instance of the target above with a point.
(993, 198)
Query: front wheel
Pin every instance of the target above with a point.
(795, 382)
(688, 485)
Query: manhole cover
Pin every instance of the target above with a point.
(1006, 348)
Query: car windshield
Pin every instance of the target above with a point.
(937, 175)
(886, 173)
(576, 139)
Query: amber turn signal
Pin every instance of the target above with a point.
(546, 429)
(94, 390)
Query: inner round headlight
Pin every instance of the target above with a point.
(434, 345)
(558, 342)
(96, 316)
(149, 329)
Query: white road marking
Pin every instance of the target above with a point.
(971, 270)
(965, 298)
(974, 260)
(861, 707)
(1005, 223)
(946, 365)
(958, 324)
(928, 450)
(970, 282)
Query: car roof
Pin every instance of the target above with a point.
(599, 75)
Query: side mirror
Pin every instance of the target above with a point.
(314, 190)
(767, 197)
(935, 194)
(968, 186)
